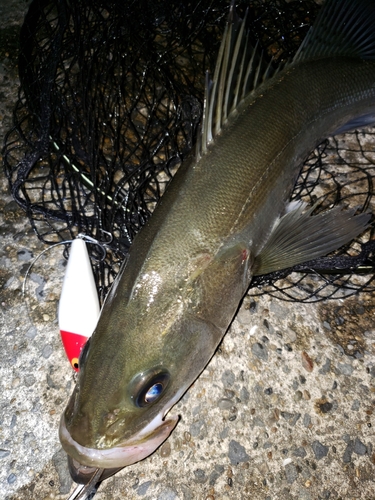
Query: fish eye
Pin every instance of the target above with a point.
(147, 387)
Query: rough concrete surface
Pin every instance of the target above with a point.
(283, 411)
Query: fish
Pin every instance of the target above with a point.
(224, 218)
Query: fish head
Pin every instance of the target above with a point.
(148, 348)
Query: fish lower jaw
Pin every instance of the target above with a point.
(134, 450)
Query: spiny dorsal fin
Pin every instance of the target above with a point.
(240, 68)
(342, 28)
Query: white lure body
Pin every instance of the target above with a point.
(79, 304)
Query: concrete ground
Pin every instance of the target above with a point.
(284, 410)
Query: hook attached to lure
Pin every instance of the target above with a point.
(79, 304)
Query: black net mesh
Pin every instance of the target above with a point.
(110, 103)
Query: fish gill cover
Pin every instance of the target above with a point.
(110, 104)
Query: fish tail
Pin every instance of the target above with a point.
(342, 28)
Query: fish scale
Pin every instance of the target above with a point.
(249, 162)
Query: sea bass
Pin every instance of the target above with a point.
(223, 219)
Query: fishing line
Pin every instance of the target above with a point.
(28, 271)
(88, 239)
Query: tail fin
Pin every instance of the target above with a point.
(342, 28)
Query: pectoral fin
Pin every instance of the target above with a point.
(298, 237)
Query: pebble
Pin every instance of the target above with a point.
(346, 438)
(4, 453)
(11, 478)
(252, 330)
(136, 483)
(244, 316)
(224, 433)
(326, 367)
(297, 396)
(168, 494)
(296, 417)
(31, 333)
(51, 382)
(47, 351)
(291, 418)
(291, 473)
(345, 369)
(320, 451)
(258, 422)
(347, 457)
(9, 283)
(326, 407)
(260, 351)
(244, 395)
(359, 447)
(291, 334)
(37, 278)
(300, 452)
(228, 378)
(24, 255)
(307, 362)
(304, 494)
(165, 449)
(306, 395)
(142, 489)
(200, 476)
(187, 493)
(40, 293)
(13, 422)
(237, 453)
(215, 474)
(196, 428)
(60, 463)
(225, 404)
(187, 436)
(29, 380)
(274, 416)
(229, 394)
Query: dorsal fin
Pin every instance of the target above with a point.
(240, 68)
(342, 28)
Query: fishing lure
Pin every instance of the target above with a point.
(79, 304)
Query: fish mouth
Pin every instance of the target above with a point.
(82, 474)
(85, 461)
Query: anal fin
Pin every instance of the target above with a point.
(362, 121)
(298, 237)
